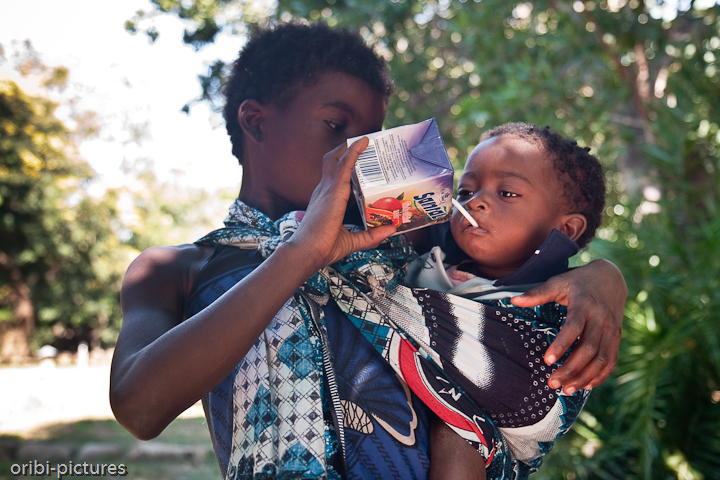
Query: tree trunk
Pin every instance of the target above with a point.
(14, 345)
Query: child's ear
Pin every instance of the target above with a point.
(573, 225)
(250, 118)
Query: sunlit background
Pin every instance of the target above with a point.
(110, 144)
(136, 88)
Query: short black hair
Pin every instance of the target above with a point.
(579, 173)
(277, 57)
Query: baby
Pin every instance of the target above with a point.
(531, 199)
(519, 184)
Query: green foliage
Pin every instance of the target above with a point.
(63, 253)
(643, 93)
(168, 214)
(58, 253)
(61, 259)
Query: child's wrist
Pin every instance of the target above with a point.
(302, 256)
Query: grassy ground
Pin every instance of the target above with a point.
(190, 432)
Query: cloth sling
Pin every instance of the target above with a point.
(478, 366)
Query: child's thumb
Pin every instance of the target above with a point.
(534, 297)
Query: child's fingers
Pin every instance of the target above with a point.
(347, 161)
(594, 371)
(348, 243)
(550, 291)
(378, 234)
(569, 332)
(581, 356)
(603, 364)
(338, 164)
(332, 159)
(593, 358)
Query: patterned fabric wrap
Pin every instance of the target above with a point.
(455, 354)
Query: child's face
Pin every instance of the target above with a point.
(512, 191)
(295, 138)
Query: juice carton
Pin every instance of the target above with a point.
(404, 177)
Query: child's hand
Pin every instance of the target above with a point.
(595, 296)
(321, 232)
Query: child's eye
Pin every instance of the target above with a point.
(338, 127)
(508, 194)
(464, 192)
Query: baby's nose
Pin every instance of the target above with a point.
(477, 202)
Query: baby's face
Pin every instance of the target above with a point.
(512, 191)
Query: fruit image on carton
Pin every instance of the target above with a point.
(404, 177)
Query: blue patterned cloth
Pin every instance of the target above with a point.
(316, 396)
(313, 398)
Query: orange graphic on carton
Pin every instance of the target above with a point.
(385, 211)
(421, 209)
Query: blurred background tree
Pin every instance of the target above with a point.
(58, 251)
(639, 83)
(63, 252)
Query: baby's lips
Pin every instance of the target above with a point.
(465, 223)
(466, 226)
(466, 215)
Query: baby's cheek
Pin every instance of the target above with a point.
(455, 221)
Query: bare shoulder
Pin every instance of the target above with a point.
(156, 260)
(163, 277)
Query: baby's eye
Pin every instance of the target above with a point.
(338, 127)
(508, 194)
(464, 192)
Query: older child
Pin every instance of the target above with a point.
(237, 327)
(535, 198)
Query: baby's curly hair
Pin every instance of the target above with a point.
(580, 173)
(278, 57)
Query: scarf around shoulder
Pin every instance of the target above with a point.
(407, 327)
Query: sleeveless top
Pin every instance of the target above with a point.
(384, 426)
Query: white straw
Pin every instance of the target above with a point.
(465, 213)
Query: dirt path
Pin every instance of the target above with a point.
(34, 396)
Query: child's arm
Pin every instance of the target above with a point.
(162, 364)
(451, 457)
(595, 296)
